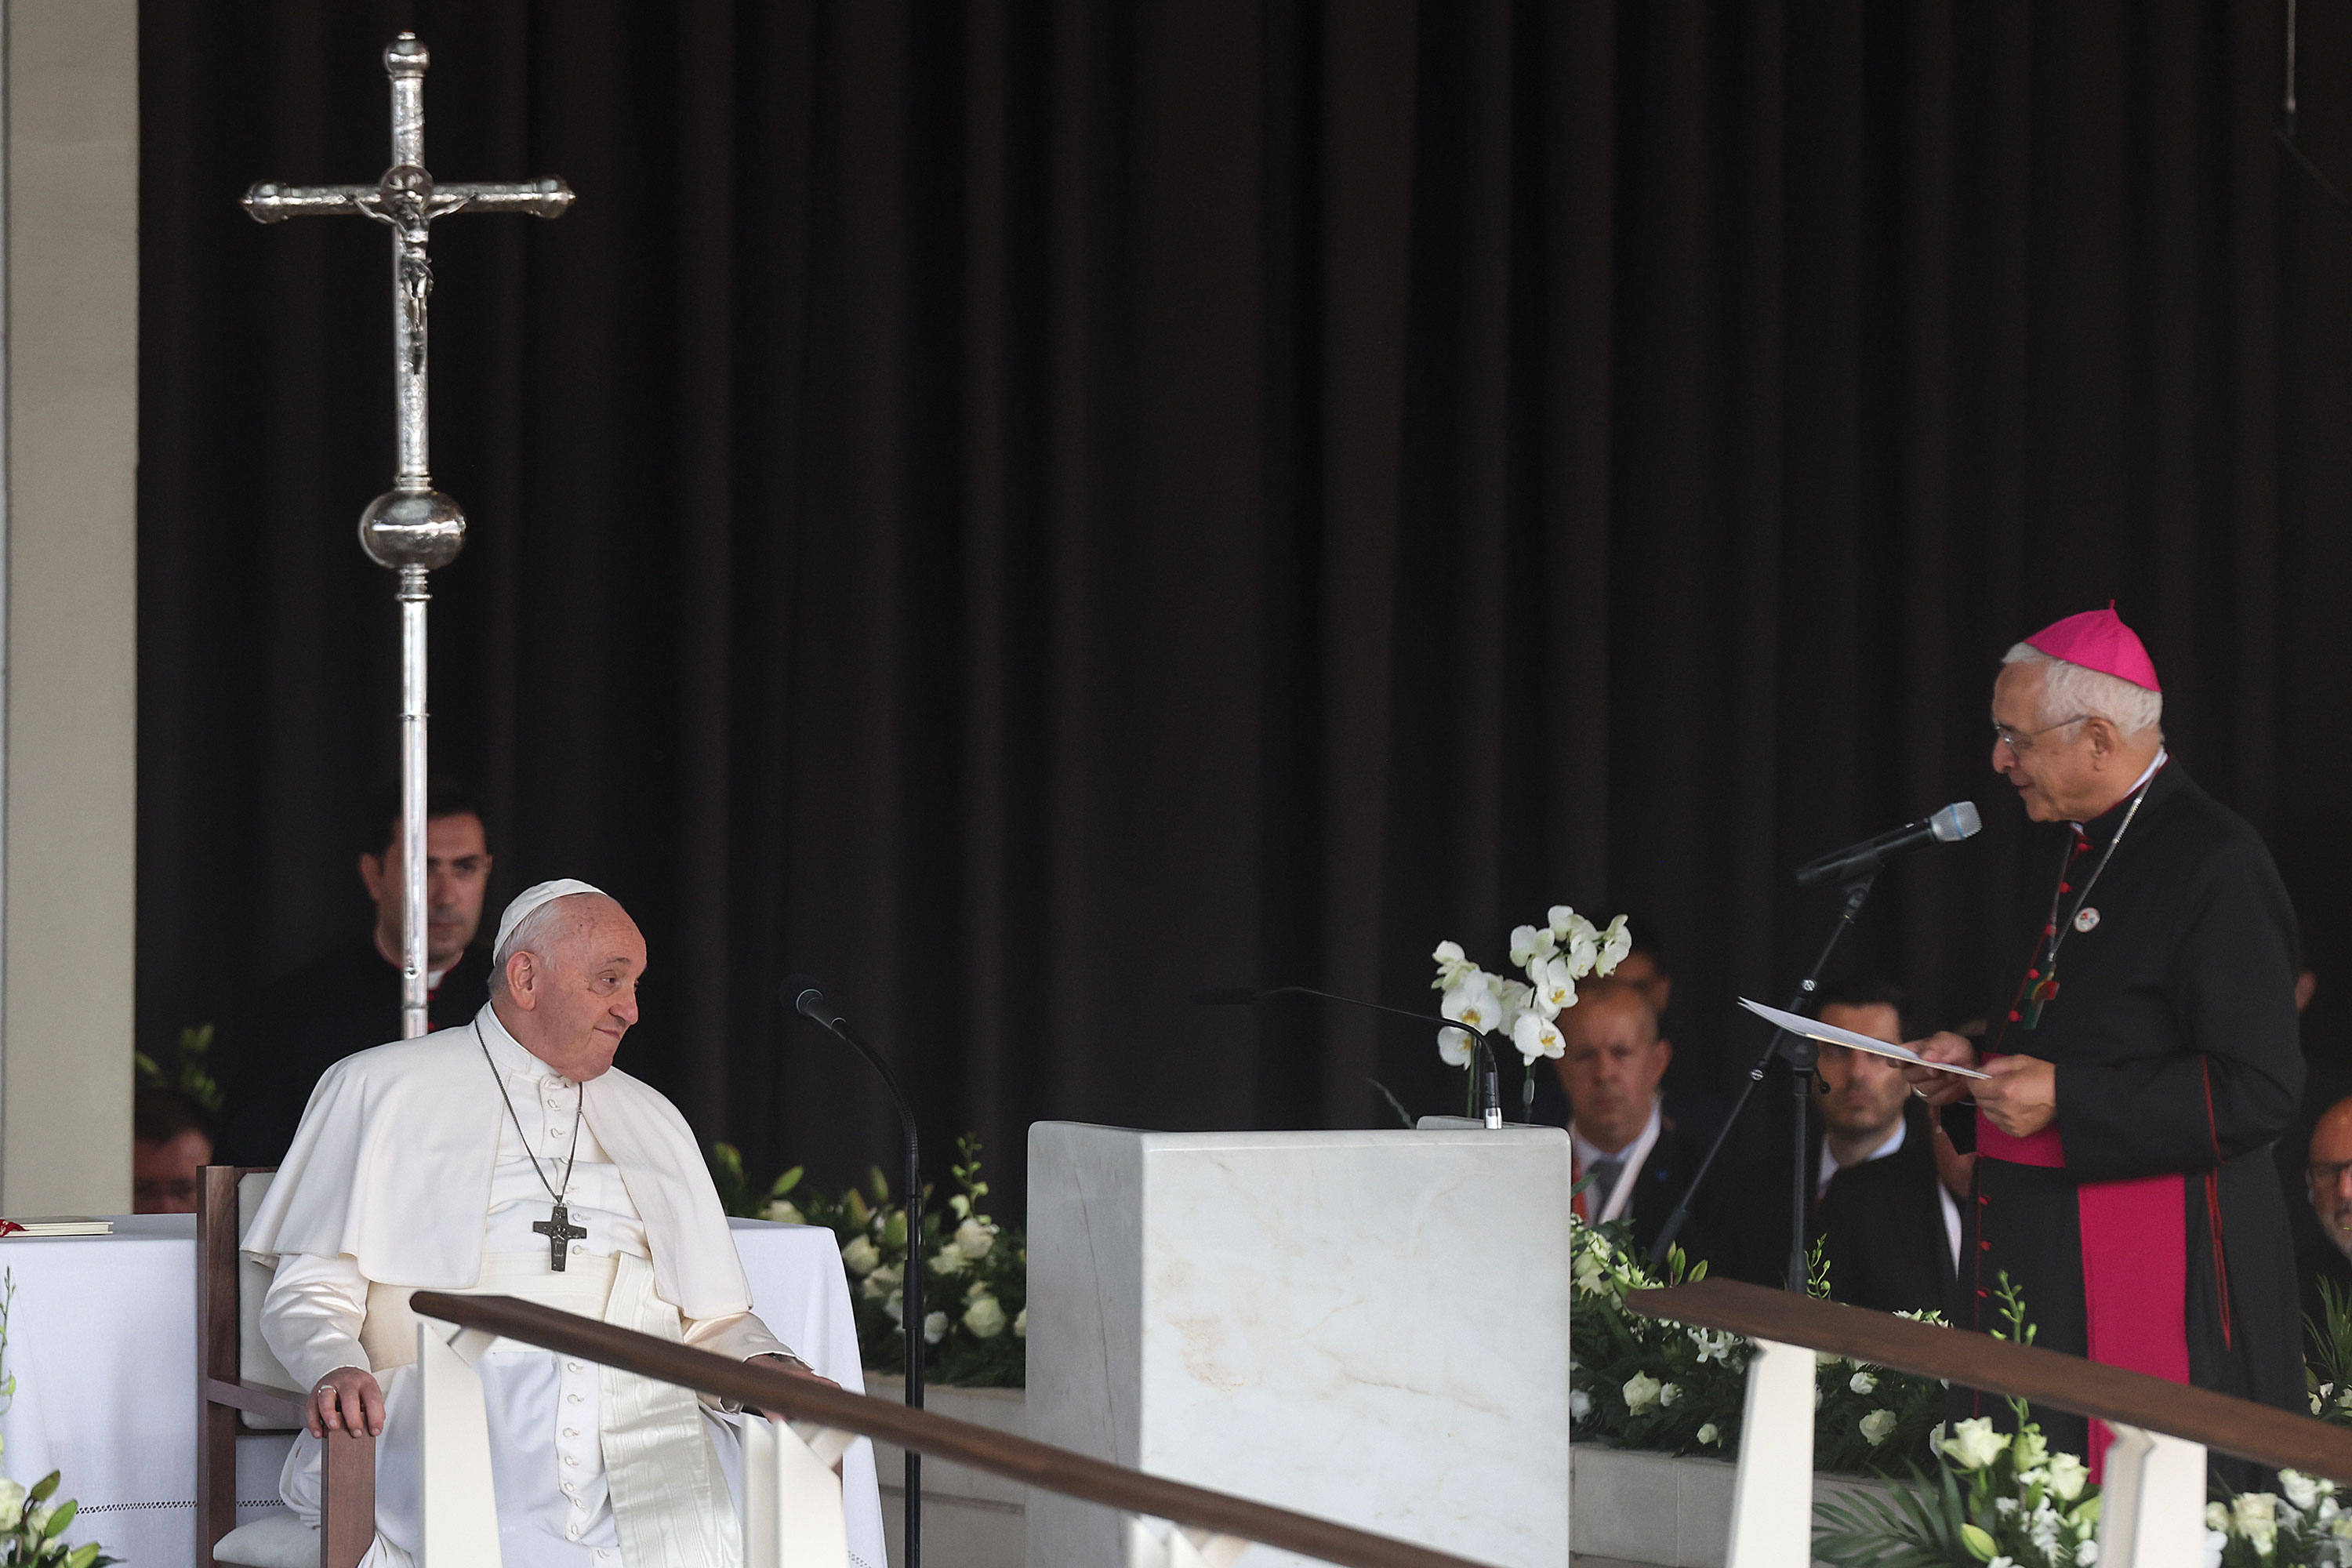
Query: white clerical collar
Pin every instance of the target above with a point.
(2147, 774)
(1829, 1166)
(507, 1052)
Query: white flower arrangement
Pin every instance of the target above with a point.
(1553, 956)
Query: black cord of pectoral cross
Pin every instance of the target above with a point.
(561, 1220)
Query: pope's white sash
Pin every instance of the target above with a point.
(670, 1503)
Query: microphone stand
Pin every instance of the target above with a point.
(911, 1288)
(1800, 1055)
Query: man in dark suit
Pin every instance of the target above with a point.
(1888, 1224)
(2324, 1248)
(348, 999)
(1636, 1159)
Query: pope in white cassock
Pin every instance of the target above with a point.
(509, 1157)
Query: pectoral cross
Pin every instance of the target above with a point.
(412, 528)
(559, 1229)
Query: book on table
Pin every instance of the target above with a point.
(57, 1224)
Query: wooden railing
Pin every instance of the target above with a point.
(2256, 1432)
(938, 1436)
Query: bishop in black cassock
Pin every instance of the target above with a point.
(2148, 1058)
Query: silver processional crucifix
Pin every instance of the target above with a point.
(412, 528)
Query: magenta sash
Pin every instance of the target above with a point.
(2134, 1264)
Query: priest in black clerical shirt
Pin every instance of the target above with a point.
(349, 999)
(2147, 1057)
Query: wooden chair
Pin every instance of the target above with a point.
(240, 1384)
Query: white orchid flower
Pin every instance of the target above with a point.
(1476, 1003)
(1536, 1035)
(1455, 1048)
(1583, 945)
(1557, 917)
(1554, 988)
(1517, 997)
(1616, 942)
(984, 1317)
(1531, 942)
(1454, 967)
(1877, 1426)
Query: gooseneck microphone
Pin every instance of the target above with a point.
(805, 994)
(1955, 822)
(1490, 1090)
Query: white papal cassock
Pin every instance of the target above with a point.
(408, 1173)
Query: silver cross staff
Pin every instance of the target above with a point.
(412, 528)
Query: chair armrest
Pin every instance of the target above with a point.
(347, 1499)
(281, 1405)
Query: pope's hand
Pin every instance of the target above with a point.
(2022, 1095)
(346, 1400)
(1941, 1087)
(795, 1369)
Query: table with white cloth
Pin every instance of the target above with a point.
(102, 1342)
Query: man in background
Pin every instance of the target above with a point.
(170, 1143)
(1890, 1228)
(2328, 1183)
(349, 999)
(1632, 1158)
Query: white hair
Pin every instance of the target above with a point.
(2071, 691)
(532, 933)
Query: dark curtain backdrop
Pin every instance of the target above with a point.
(1026, 510)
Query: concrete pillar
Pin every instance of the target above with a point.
(71, 347)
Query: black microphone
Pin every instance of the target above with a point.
(805, 994)
(1955, 822)
(1490, 1092)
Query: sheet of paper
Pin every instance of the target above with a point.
(1831, 1034)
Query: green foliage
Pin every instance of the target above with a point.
(1640, 1382)
(975, 1279)
(187, 1072)
(2327, 1372)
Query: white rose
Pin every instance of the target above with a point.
(949, 1261)
(896, 1308)
(1669, 1394)
(935, 1327)
(1641, 1392)
(1975, 1444)
(974, 1239)
(1863, 1382)
(12, 1503)
(861, 1257)
(2301, 1489)
(1710, 1433)
(2030, 1448)
(782, 1211)
(2067, 1475)
(2254, 1516)
(2085, 1553)
(2217, 1517)
(1580, 1404)
(1021, 1324)
(1877, 1426)
(984, 1317)
(37, 1517)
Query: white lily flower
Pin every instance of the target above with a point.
(1536, 1035)
(1616, 942)
(1454, 967)
(1529, 943)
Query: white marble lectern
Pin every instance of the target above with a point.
(1369, 1326)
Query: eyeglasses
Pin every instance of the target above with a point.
(2021, 740)
(2327, 1175)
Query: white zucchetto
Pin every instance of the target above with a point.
(531, 899)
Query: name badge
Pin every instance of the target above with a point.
(2086, 920)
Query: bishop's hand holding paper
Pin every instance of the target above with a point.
(510, 1157)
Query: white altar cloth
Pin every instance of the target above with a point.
(102, 1341)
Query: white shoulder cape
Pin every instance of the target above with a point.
(392, 1166)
